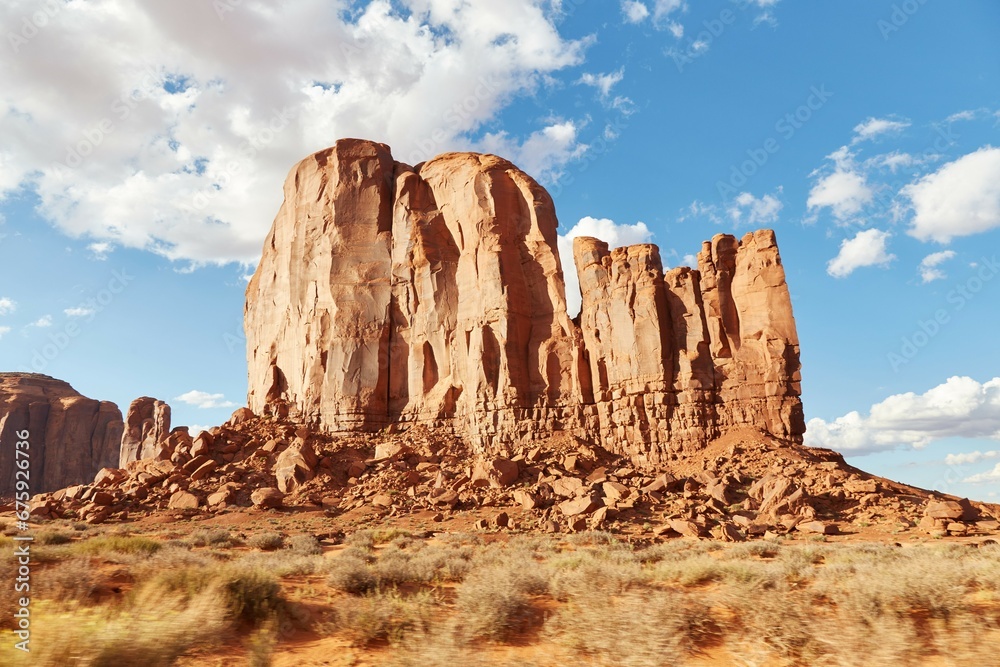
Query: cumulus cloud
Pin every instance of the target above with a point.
(876, 127)
(187, 115)
(959, 199)
(959, 408)
(613, 234)
(983, 477)
(543, 154)
(43, 322)
(970, 458)
(4, 331)
(634, 12)
(928, 265)
(754, 211)
(79, 312)
(204, 400)
(7, 305)
(844, 190)
(867, 248)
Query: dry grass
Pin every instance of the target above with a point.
(581, 599)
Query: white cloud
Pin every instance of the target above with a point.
(7, 305)
(43, 322)
(676, 29)
(4, 331)
(194, 117)
(634, 12)
(79, 312)
(662, 9)
(894, 161)
(969, 114)
(867, 248)
(875, 127)
(959, 199)
(845, 190)
(753, 211)
(928, 265)
(204, 400)
(959, 408)
(970, 458)
(100, 250)
(543, 154)
(613, 234)
(603, 82)
(983, 477)
(690, 260)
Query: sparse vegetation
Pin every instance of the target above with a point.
(583, 599)
(268, 541)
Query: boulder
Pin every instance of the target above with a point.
(267, 498)
(496, 472)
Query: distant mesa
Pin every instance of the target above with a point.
(71, 436)
(389, 295)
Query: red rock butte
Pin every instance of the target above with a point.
(389, 295)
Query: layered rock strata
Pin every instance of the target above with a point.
(389, 295)
(70, 436)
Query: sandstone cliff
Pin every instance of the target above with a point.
(147, 425)
(71, 436)
(393, 295)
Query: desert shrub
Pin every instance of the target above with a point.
(636, 629)
(351, 575)
(154, 636)
(268, 541)
(245, 593)
(494, 601)
(441, 563)
(104, 545)
(47, 537)
(260, 645)
(305, 545)
(72, 580)
(282, 563)
(362, 539)
(212, 537)
(577, 572)
(387, 616)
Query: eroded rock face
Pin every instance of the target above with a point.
(393, 295)
(147, 426)
(71, 436)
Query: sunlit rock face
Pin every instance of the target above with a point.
(390, 295)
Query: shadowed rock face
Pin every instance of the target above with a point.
(390, 294)
(71, 436)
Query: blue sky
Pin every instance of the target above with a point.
(143, 148)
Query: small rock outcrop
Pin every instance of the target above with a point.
(71, 437)
(147, 425)
(389, 295)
